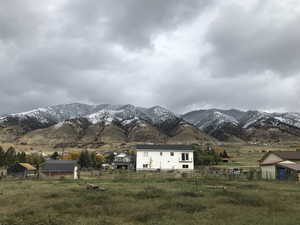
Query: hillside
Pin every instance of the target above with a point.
(80, 125)
(247, 126)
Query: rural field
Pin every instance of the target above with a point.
(149, 198)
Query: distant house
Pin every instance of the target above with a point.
(281, 165)
(21, 170)
(164, 157)
(123, 161)
(60, 168)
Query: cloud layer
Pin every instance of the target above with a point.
(183, 54)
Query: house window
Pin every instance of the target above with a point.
(145, 165)
(171, 153)
(185, 156)
(185, 166)
(161, 153)
(145, 154)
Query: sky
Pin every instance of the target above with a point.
(180, 54)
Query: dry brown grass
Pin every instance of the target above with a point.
(148, 199)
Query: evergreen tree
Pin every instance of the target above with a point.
(55, 156)
(225, 155)
(84, 159)
(2, 157)
(93, 162)
(21, 157)
(10, 156)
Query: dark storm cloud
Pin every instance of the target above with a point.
(251, 41)
(132, 23)
(148, 52)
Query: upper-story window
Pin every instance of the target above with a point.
(145, 154)
(171, 153)
(185, 156)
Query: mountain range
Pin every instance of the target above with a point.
(83, 125)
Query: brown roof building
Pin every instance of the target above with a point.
(21, 170)
(281, 165)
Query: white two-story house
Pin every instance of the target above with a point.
(164, 157)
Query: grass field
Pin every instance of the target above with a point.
(154, 199)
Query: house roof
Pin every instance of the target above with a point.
(284, 155)
(291, 166)
(27, 166)
(271, 163)
(164, 147)
(59, 166)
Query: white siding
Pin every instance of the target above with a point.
(166, 161)
(268, 172)
(271, 158)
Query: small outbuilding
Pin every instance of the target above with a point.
(21, 170)
(280, 165)
(60, 168)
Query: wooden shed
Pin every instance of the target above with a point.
(21, 170)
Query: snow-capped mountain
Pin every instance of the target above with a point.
(244, 125)
(213, 118)
(76, 125)
(225, 125)
(216, 117)
(95, 114)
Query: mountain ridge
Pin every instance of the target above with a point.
(134, 123)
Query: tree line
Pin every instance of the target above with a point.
(85, 158)
(11, 156)
(208, 156)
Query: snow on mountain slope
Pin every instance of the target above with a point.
(253, 117)
(97, 113)
(209, 118)
(54, 114)
(216, 117)
(292, 119)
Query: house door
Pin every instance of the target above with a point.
(282, 175)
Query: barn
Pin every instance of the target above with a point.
(60, 168)
(21, 170)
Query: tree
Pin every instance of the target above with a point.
(2, 157)
(35, 159)
(54, 156)
(205, 157)
(71, 156)
(10, 156)
(99, 160)
(93, 160)
(84, 159)
(21, 157)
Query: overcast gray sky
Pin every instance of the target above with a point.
(180, 54)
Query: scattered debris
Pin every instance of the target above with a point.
(95, 187)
